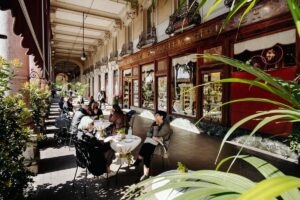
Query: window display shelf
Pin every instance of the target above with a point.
(162, 93)
(212, 97)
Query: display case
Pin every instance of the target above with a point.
(212, 97)
(183, 80)
(148, 86)
(126, 88)
(162, 93)
(135, 86)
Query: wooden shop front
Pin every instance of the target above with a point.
(161, 77)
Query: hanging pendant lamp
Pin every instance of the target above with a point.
(83, 56)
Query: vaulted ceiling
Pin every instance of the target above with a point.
(100, 17)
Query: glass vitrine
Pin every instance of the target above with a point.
(126, 88)
(135, 86)
(183, 80)
(148, 86)
(162, 93)
(212, 97)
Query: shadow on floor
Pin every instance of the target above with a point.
(96, 188)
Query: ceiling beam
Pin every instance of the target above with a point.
(55, 32)
(58, 40)
(70, 51)
(73, 48)
(78, 24)
(74, 44)
(66, 55)
(75, 8)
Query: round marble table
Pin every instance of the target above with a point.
(124, 147)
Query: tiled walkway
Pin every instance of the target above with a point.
(57, 168)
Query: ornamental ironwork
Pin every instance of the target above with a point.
(147, 39)
(127, 48)
(35, 75)
(113, 56)
(185, 17)
(105, 60)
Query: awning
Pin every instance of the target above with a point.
(265, 42)
(30, 18)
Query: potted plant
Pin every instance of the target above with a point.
(14, 138)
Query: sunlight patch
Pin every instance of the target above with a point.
(147, 114)
(185, 124)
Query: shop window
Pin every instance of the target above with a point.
(126, 87)
(99, 82)
(184, 79)
(106, 83)
(135, 92)
(269, 52)
(148, 86)
(212, 97)
(162, 93)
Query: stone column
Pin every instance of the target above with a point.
(96, 82)
(10, 49)
(110, 84)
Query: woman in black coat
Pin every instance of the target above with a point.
(101, 154)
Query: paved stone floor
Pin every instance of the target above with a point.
(57, 168)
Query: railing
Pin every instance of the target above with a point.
(113, 56)
(183, 18)
(127, 48)
(105, 60)
(147, 39)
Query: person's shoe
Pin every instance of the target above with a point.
(144, 177)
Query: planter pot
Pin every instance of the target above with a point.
(32, 155)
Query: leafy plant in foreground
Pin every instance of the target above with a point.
(14, 136)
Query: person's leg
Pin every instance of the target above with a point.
(147, 160)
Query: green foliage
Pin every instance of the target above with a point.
(211, 184)
(38, 100)
(122, 131)
(80, 88)
(13, 138)
(181, 167)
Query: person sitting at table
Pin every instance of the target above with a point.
(86, 132)
(61, 103)
(96, 112)
(158, 133)
(68, 106)
(78, 115)
(117, 118)
(91, 101)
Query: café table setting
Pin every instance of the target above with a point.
(123, 146)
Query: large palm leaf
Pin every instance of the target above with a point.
(210, 184)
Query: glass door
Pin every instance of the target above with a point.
(162, 93)
(135, 93)
(212, 97)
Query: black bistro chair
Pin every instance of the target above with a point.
(89, 158)
(62, 122)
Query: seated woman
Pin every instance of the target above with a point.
(68, 106)
(159, 132)
(86, 132)
(118, 118)
(91, 101)
(96, 111)
(61, 103)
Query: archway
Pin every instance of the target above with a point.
(66, 71)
